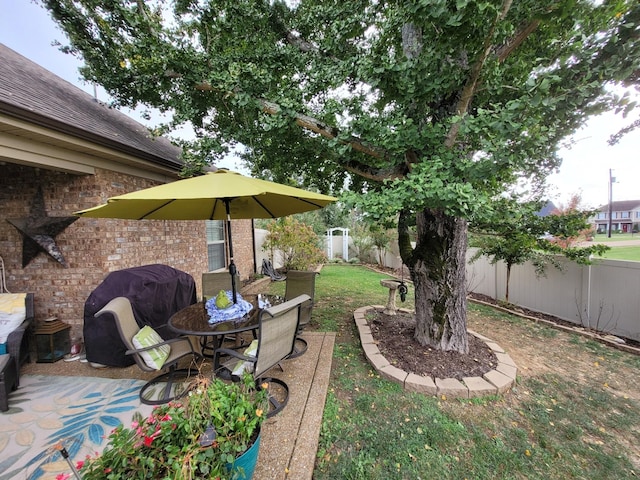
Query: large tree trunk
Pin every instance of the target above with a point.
(437, 266)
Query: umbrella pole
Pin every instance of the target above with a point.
(232, 265)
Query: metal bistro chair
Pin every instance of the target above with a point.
(165, 387)
(276, 340)
(299, 283)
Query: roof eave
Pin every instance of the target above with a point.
(55, 125)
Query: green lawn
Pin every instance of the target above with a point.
(552, 425)
(630, 253)
(615, 237)
(623, 253)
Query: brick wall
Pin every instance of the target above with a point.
(94, 247)
(242, 236)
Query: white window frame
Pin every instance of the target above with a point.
(214, 242)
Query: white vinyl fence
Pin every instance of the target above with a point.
(604, 296)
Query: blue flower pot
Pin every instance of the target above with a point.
(245, 464)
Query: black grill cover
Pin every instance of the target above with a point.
(156, 292)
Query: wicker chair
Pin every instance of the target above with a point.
(277, 330)
(18, 341)
(301, 283)
(169, 385)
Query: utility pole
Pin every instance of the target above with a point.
(611, 180)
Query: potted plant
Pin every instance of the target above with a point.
(213, 433)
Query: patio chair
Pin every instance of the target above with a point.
(277, 330)
(299, 283)
(18, 339)
(152, 353)
(18, 346)
(15, 329)
(213, 282)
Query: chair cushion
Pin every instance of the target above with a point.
(240, 367)
(12, 313)
(147, 337)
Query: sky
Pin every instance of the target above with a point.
(27, 28)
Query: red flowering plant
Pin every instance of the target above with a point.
(198, 437)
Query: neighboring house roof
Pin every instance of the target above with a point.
(548, 209)
(33, 94)
(621, 206)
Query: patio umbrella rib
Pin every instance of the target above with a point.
(150, 213)
(201, 198)
(263, 207)
(304, 200)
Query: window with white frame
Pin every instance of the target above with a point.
(215, 244)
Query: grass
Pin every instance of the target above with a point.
(623, 253)
(615, 237)
(629, 253)
(550, 426)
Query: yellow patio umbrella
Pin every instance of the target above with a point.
(219, 195)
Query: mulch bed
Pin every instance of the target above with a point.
(394, 335)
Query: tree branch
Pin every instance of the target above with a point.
(505, 50)
(471, 86)
(313, 124)
(321, 128)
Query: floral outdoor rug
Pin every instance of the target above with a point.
(76, 412)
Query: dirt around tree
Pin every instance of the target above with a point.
(394, 335)
(533, 356)
(535, 348)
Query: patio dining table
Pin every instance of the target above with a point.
(194, 320)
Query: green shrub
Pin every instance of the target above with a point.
(299, 244)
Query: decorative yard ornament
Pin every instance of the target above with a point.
(39, 231)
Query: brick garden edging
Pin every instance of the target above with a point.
(493, 382)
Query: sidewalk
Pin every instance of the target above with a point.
(290, 439)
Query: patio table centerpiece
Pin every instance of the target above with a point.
(212, 433)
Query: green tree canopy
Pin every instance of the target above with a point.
(431, 109)
(526, 236)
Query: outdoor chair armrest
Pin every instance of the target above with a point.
(156, 345)
(234, 353)
(18, 345)
(14, 339)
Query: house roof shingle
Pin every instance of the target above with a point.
(32, 93)
(621, 206)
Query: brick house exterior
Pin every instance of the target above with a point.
(78, 152)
